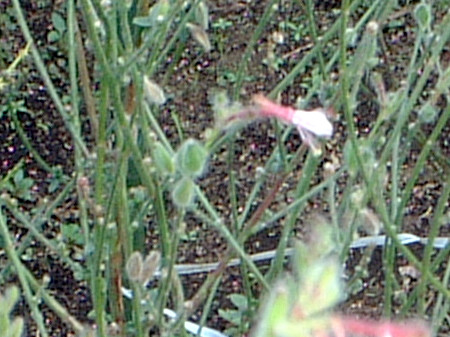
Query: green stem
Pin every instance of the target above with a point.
(313, 31)
(28, 144)
(48, 82)
(20, 269)
(263, 21)
(434, 231)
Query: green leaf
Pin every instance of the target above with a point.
(72, 233)
(53, 36)
(58, 22)
(239, 301)
(18, 177)
(232, 316)
(143, 21)
(422, 14)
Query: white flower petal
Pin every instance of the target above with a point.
(309, 139)
(314, 121)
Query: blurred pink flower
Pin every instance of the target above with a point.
(350, 326)
(310, 123)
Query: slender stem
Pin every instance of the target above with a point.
(313, 32)
(28, 144)
(20, 269)
(46, 78)
(309, 169)
(434, 231)
(263, 22)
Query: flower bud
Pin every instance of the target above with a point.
(151, 263)
(183, 192)
(134, 266)
(200, 35)
(163, 160)
(191, 158)
(153, 92)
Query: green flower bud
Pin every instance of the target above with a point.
(367, 156)
(163, 160)
(151, 264)
(191, 158)
(183, 192)
(9, 299)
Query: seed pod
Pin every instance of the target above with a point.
(134, 266)
(151, 263)
(153, 92)
(200, 35)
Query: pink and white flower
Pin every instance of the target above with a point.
(310, 123)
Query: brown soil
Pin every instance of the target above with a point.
(194, 78)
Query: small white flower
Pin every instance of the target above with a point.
(314, 121)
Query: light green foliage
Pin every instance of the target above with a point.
(157, 14)
(20, 186)
(367, 156)
(222, 24)
(72, 233)
(10, 328)
(235, 316)
(59, 25)
(299, 304)
(351, 59)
